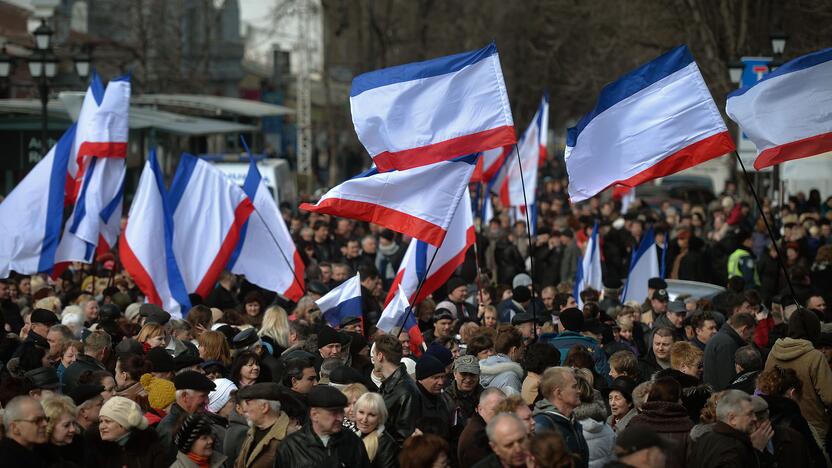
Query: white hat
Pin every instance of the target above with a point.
(219, 397)
(125, 412)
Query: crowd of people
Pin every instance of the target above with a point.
(515, 370)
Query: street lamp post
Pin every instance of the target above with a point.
(43, 66)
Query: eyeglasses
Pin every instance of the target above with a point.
(36, 421)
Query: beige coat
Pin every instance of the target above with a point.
(812, 368)
(264, 452)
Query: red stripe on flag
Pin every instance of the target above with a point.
(444, 272)
(381, 215)
(505, 199)
(476, 176)
(140, 276)
(799, 149)
(494, 168)
(445, 150)
(394, 288)
(697, 153)
(295, 291)
(107, 149)
(241, 214)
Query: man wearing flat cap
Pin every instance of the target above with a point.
(465, 389)
(192, 390)
(322, 442)
(268, 425)
(88, 401)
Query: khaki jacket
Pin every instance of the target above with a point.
(264, 452)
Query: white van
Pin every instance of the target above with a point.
(275, 172)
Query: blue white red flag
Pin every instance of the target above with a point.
(146, 247)
(643, 266)
(531, 151)
(419, 202)
(264, 240)
(85, 171)
(490, 163)
(422, 113)
(451, 255)
(395, 316)
(342, 302)
(209, 212)
(786, 114)
(654, 121)
(589, 268)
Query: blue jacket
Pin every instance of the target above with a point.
(546, 418)
(567, 339)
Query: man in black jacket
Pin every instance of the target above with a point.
(736, 439)
(401, 396)
(718, 365)
(430, 375)
(25, 429)
(96, 348)
(322, 442)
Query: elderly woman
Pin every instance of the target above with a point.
(69, 353)
(245, 370)
(63, 445)
(195, 444)
(622, 408)
(124, 440)
(370, 416)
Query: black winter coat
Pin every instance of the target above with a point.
(73, 373)
(718, 361)
(724, 447)
(387, 455)
(305, 449)
(15, 455)
(671, 422)
(438, 408)
(785, 412)
(694, 393)
(403, 402)
(143, 449)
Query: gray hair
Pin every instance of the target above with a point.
(490, 391)
(14, 410)
(274, 405)
(730, 403)
(329, 365)
(375, 402)
(65, 331)
(498, 419)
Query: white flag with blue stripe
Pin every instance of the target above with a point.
(342, 302)
(643, 266)
(589, 268)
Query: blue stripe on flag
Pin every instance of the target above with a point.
(467, 159)
(252, 181)
(175, 281)
(419, 70)
(646, 241)
(80, 205)
(97, 88)
(111, 207)
(631, 83)
(349, 308)
(187, 163)
(55, 203)
(421, 259)
(800, 63)
(238, 248)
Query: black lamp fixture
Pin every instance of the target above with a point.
(778, 42)
(5, 63)
(43, 36)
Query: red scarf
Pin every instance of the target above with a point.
(203, 462)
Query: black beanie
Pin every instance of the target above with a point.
(572, 319)
(427, 365)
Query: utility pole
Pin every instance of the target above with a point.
(304, 100)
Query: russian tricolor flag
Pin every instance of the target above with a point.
(146, 247)
(397, 315)
(419, 202)
(264, 240)
(652, 122)
(451, 255)
(787, 113)
(643, 266)
(589, 273)
(422, 113)
(342, 302)
(209, 212)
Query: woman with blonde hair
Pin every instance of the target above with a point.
(214, 347)
(49, 303)
(353, 392)
(370, 416)
(62, 444)
(152, 335)
(275, 329)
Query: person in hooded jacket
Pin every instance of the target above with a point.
(502, 370)
(555, 412)
(664, 414)
(797, 352)
(592, 413)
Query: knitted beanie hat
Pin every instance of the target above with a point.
(161, 393)
(192, 428)
(220, 396)
(124, 411)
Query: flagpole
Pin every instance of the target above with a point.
(529, 232)
(768, 227)
(418, 289)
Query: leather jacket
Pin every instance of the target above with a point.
(404, 404)
(304, 448)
